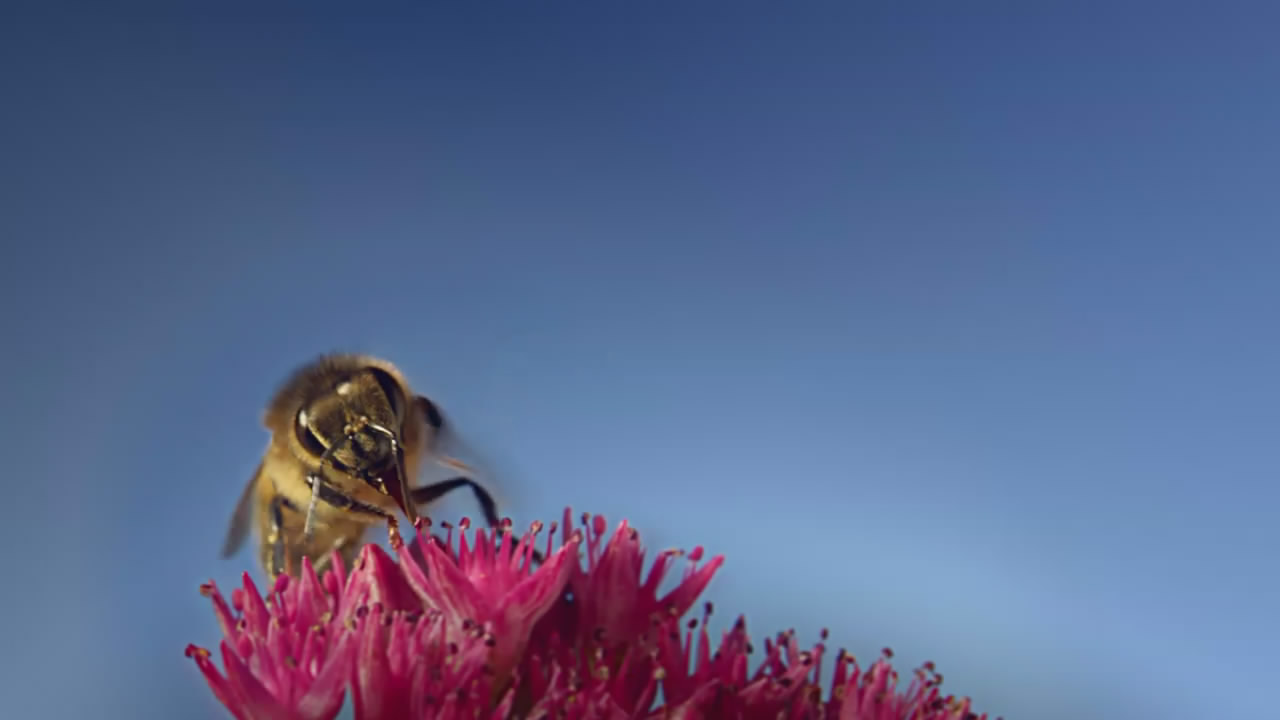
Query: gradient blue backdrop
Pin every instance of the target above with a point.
(954, 328)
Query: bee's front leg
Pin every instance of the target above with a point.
(430, 493)
(315, 481)
(348, 547)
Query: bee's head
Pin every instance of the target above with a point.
(345, 413)
(354, 425)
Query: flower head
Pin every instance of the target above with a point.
(615, 602)
(286, 655)
(487, 587)
(405, 668)
(478, 629)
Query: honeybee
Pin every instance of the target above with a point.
(347, 436)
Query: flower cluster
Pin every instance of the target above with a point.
(452, 629)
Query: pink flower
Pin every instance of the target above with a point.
(404, 668)
(704, 683)
(872, 695)
(488, 588)
(614, 602)
(475, 630)
(285, 656)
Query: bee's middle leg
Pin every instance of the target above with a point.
(276, 564)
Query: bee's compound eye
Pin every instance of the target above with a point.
(390, 388)
(306, 438)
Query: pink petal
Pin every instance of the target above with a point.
(220, 686)
(324, 699)
(255, 700)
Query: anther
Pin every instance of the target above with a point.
(393, 533)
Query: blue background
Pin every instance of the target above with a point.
(954, 328)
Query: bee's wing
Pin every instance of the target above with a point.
(241, 519)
